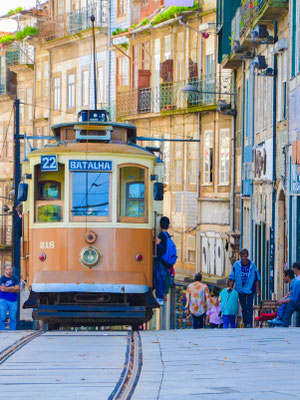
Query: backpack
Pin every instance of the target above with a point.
(170, 255)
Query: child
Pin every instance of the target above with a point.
(213, 315)
(229, 305)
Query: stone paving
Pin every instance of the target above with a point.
(64, 365)
(237, 364)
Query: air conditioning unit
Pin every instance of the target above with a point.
(224, 108)
(280, 46)
(259, 32)
(260, 62)
(237, 48)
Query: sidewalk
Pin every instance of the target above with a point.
(238, 364)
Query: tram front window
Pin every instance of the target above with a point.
(90, 196)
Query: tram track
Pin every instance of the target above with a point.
(13, 348)
(129, 377)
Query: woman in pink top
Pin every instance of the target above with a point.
(213, 315)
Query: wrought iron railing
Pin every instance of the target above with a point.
(169, 96)
(20, 53)
(75, 21)
(251, 8)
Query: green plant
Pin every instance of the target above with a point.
(27, 31)
(17, 10)
(170, 13)
(118, 31)
(124, 46)
(7, 39)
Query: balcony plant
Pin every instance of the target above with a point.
(27, 31)
(7, 39)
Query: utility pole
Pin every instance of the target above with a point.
(16, 256)
(272, 233)
(94, 60)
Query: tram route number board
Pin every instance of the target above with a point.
(49, 163)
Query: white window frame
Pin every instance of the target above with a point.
(224, 156)
(85, 87)
(101, 85)
(71, 90)
(208, 143)
(57, 93)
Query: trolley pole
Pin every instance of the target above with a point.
(16, 256)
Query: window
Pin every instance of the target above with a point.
(121, 71)
(56, 104)
(71, 91)
(135, 66)
(133, 194)
(178, 163)
(22, 98)
(101, 85)
(208, 157)
(49, 190)
(85, 88)
(39, 80)
(224, 161)
(90, 195)
(121, 11)
(146, 56)
(167, 52)
(29, 104)
(191, 249)
(49, 195)
(46, 78)
(192, 163)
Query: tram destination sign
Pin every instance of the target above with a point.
(90, 165)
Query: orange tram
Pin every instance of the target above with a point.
(90, 207)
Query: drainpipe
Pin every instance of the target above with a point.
(252, 133)
(272, 235)
(198, 195)
(243, 156)
(233, 136)
(50, 94)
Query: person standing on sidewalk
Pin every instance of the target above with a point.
(9, 287)
(229, 305)
(166, 258)
(198, 301)
(246, 277)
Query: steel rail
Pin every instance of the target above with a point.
(131, 372)
(12, 349)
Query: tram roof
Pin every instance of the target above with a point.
(93, 148)
(132, 128)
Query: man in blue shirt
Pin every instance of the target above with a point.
(292, 301)
(247, 278)
(9, 287)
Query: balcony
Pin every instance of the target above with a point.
(75, 21)
(168, 97)
(20, 54)
(262, 10)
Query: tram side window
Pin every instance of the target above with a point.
(132, 194)
(49, 195)
(90, 195)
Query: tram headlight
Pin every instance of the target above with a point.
(90, 256)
